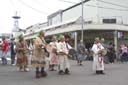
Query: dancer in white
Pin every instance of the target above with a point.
(98, 53)
(63, 56)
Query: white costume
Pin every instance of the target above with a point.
(63, 58)
(97, 60)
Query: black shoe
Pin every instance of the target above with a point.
(38, 75)
(97, 72)
(43, 74)
(101, 72)
(81, 64)
(52, 70)
(67, 71)
(61, 72)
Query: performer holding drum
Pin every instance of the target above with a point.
(98, 53)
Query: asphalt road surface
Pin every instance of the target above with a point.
(116, 74)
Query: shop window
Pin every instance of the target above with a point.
(109, 20)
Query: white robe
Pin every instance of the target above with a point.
(63, 59)
(98, 63)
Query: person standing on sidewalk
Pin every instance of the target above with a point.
(81, 53)
(106, 57)
(124, 53)
(13, 51)
(5, 47)
(111, 52)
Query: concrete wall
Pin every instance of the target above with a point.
(89, 12)
(96, 10)
(56, 19)
(113, 9)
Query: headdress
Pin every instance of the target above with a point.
(97, 39)
(102, 40)
(60, 37)
(54, 37)
(20, 36)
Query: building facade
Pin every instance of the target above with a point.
(96, 11)
(101, 18)
(32, 30)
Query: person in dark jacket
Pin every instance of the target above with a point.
(81, 53)
(111, 52)
(13, 52)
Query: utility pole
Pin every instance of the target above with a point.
(82, 20)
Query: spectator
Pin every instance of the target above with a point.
(111, 52)
(81, 52)
(5, 47)
(124, 53)
(13, 51)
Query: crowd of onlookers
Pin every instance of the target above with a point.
(123, 53)
(112, 56)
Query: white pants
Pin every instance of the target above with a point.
(63, 62)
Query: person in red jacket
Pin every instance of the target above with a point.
(5, 47)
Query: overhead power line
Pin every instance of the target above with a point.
(32, 7)
(13, 5)
(98, 6)
(107, 8)
(37, 2)
(68, 1)
(40, 4)
(113, 4)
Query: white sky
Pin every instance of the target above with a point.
(28, 15)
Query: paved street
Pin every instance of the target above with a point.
(116, 74)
